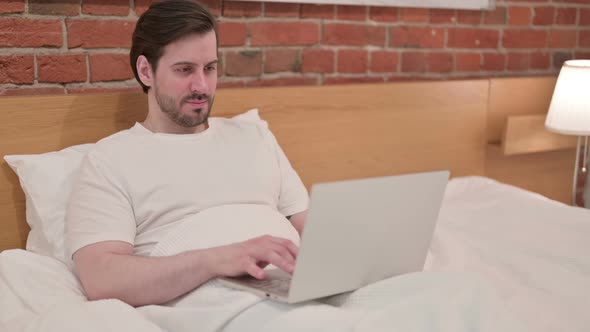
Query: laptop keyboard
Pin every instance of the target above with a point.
(276, 282)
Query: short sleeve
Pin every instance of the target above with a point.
(293, 197)
(99, 208)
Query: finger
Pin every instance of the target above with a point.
(293, 249)
(284, 252)
(254, 270)
(278, 245)
(262, 264)
(277, 260)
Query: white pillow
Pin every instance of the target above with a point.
(47, 182)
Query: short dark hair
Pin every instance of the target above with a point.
(163, 23)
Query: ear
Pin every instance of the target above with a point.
(144, 70)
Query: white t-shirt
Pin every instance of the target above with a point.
(135, 186)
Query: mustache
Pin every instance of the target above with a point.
(196, 96)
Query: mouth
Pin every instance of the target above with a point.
(197, 103)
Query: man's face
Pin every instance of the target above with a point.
(186, 78)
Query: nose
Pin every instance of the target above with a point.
(199, 83)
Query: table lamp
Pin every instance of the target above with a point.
(569, 112)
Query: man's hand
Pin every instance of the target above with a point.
(251, 256)
(110, 270)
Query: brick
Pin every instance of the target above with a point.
(565, 16)
(384, 61)
(284, 33)
(520, 16)
(17, 69)
(140, 6)
(91, 90)
(468, 61)
(244, 63)
(493, 62)
(540, 61)
(524, 38)
(473, 38)
(110, 67)
(220, 63)
(562, 39)
(518, 61)
(352, 61)
(22, 91)
(353, 80)
(274, 9)
(447, 16)
(61, 68)
(242, 9)
(318, 61)
(283, 81)
(582, 55)
(214, 6)
(413, 62)
(469, 16)
(416, 37)
(560, 57)
(584, 38)
(351, 13)
(381, 14)
(281, 60)
(544, 15)
(52, 7)
(318, 11)
(18, 32)
(12, 6)
(584, 17)
(496, 16)
(527, 0)
(440, 62)
(353, 34)
(586, 2)
(99, 33)
(105, 7)
(232, 33)
(414, 15)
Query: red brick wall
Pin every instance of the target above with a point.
(70, 46)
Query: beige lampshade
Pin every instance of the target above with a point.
(569, 112)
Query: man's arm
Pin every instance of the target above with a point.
(110, 270)
(298, 221)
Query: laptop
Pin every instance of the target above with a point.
(357, 232)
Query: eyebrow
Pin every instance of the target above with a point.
(193, 64)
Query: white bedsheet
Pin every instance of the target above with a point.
(535, 251)
(499, 254)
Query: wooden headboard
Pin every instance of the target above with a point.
(328, 132)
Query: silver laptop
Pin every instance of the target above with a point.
(357, 232)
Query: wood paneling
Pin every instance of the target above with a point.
(328, 132)
(527, 134)
(516, 96)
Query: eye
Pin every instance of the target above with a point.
(185, 69)
(211, 68)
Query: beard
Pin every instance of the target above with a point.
(172, 108)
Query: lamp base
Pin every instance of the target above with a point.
(580, 191)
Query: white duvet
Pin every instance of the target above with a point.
(502, 259)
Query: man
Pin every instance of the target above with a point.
(136, 186)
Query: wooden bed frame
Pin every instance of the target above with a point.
(328, 132)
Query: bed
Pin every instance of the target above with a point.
(508, 253)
